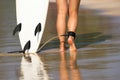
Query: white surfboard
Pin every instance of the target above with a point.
(31, 16)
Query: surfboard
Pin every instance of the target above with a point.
(31, 17)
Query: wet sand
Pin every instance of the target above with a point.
(98, 56)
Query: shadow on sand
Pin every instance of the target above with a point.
(82, 40)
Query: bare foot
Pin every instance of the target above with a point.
(71, 43)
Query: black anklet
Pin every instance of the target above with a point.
(70, 33)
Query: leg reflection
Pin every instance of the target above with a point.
(70, 72)
(63, 67)
(32, 68)
(74, 71)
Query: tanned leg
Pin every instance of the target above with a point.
(62, 11)
(73, 21)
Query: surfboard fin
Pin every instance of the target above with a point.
(17, 28)
(38, 29)
(27, 46)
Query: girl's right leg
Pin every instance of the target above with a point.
(72, 22)
(62, 11)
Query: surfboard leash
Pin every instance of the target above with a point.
(39, 49)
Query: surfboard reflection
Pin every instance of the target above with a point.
(32, 68)
(71, 71)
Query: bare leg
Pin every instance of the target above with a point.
(62, 11)
(73, 20)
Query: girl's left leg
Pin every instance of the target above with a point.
(62, 11)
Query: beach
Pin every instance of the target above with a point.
(97, 42)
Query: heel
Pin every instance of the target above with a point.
(70, 38)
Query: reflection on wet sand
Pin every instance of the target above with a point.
(32, 68)
(73, 73)
(97, 41)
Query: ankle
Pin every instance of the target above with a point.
(62, 46)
